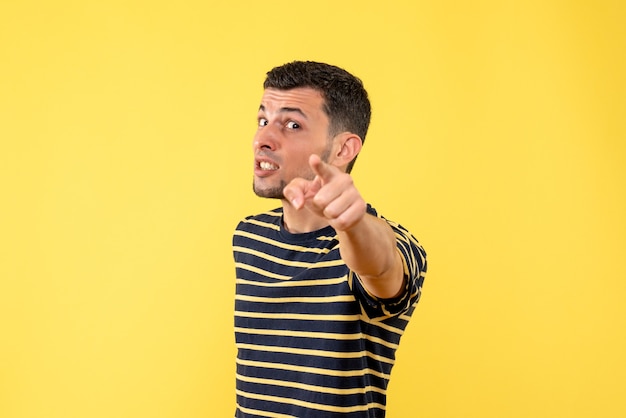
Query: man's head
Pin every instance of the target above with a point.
(345, 100)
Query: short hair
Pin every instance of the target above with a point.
(346, 102)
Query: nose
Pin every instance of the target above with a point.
(265, 139)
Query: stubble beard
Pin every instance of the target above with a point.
(272, 192)
(277, 191)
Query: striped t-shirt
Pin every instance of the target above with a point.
(311, 341)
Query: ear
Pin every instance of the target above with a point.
(348, 146)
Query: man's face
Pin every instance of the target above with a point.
(291, 126)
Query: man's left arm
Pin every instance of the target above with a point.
(367, 243)
(369, 249)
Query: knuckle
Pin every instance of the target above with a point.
(330, 213)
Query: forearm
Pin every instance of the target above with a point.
(369, 249)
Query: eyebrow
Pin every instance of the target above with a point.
(287, 110)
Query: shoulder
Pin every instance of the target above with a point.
(370, 209)
(269, 218)
(408, 245)
(260, 226)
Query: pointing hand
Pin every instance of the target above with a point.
(331, 194)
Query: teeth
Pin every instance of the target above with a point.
(267, 166)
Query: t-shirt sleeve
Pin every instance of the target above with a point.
(414, 260)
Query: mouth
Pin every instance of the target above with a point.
(264, 167)
(267, 166)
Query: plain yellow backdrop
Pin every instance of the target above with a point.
(498, 138)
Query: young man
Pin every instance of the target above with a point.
(325, 286)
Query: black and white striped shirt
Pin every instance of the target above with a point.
(311, 341)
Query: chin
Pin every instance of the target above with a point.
(268, 192)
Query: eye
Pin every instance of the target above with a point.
(262, 122)
(293, 125)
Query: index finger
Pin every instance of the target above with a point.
(323, 170)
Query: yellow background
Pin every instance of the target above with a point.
(498, 137)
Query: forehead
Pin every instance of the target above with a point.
(305, 99)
